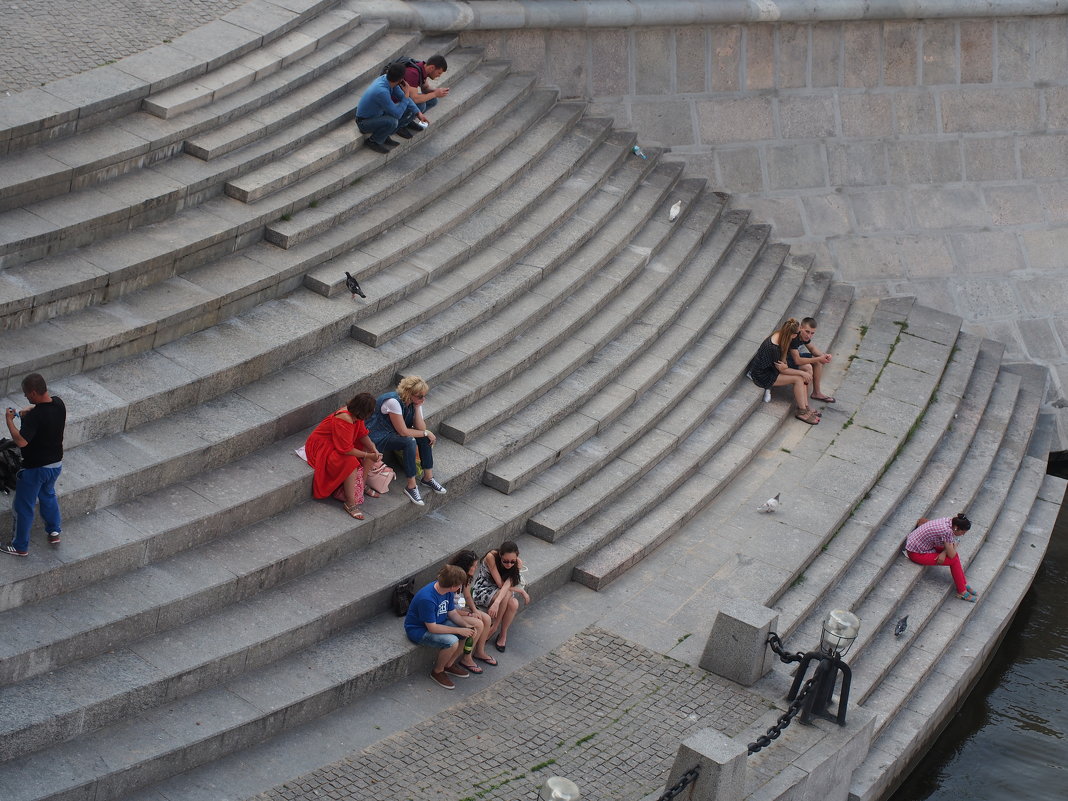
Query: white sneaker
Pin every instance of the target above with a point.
(767, 396)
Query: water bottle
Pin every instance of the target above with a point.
(637, 151)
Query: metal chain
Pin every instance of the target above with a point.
(764, 740)
(776, 645)
(688, 778)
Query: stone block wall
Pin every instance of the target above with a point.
(920, 157)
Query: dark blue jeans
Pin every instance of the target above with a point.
(383, 125)
(35, 484)
(408, 446)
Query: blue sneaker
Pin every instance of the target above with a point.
(413, 495)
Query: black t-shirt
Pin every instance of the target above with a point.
(42, 428)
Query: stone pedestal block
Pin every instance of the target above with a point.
(721, 764)
(737, 647)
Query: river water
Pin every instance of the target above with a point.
(1010, 740)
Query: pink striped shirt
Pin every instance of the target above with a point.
(932, 534)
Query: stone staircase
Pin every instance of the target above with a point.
(172, 258)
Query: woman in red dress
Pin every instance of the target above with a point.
(339, 451)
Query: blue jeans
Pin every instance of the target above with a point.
(383, 125)
(409, 446)
(440, 641)
(428, 104)
(35, 484)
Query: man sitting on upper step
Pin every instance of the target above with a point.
(416, 75)
(385, 109)
(805, 356)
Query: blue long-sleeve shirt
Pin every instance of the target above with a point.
(380, 99)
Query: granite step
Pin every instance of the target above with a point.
(722, 263)
(105, 270)
(200, 366)
(625, 286)
(668, 511)
(915, 480)
(545, 278)
(245, 70)
(328, 134)
(106, 93)
(999, 514)
(491, 245)
(175, 306)
(89, 165)
(909, 733)
(492, 137)
(197, 596)
(979, 488)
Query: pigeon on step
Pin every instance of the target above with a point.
(675, 210)
(902, 624)
(770, 505)
(353, 285)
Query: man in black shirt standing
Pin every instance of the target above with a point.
(41, 441)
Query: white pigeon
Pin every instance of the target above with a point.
(770, 505)
(675, 210)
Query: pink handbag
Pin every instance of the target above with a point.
(379, 477)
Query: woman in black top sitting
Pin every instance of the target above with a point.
(769, 368)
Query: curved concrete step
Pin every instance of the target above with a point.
(245, 70)
(175, 306)
(121, 173)
(907, 735)
(986, 456)
(698, 297)
(671, 503)
(925, 466)
(104, 93)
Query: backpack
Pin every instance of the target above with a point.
(408, 62)
(10, 464)
(402, 597)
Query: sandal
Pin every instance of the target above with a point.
(823, 398)
(968, 596)
(354, 511)
(371, 493)
(807, 416)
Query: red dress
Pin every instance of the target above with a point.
(326, 451)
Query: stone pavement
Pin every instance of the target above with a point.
(45, 40)
(600, 710)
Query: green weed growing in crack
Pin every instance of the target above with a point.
(585, 739)
(797, 582)
(543, 765)
(683, 638)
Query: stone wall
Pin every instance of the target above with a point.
(913, 157)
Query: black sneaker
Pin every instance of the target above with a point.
(53, 538)
(10, 549)
(377, 148)
(433, 484)
(391, 142)
(404, 133)
(415, 127)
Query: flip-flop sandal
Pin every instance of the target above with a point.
(471, 668)
(354, 511)
(489, 660)
(807, 417)
(824, 399)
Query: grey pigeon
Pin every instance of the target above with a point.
(353, 285)
(770, 505)
(902, 624)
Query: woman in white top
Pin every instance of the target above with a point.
(397, 425)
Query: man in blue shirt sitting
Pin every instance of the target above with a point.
(385, 109)
(433, 621)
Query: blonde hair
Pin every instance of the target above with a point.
(786, 336)
(411, 385)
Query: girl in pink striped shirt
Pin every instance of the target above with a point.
(933, 542)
